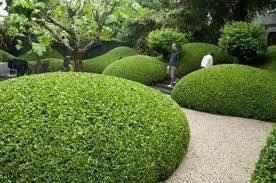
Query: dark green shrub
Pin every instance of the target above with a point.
(76, 127)
(244, 40)
(98, 64)
(50, 53)
(192, 54)
(140, 68)
(231, 90)
(161, 40)
(265, 171)
(270, 59)
(4, 56)
(47, 65)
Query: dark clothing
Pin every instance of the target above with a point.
(174, 58)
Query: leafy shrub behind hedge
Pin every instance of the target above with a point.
(75, 127)
(50, 53)
(192, 54)
(161, 40)
(231, 90)
(271, 58)
(98, 64)
(143, 69)
(265, 171)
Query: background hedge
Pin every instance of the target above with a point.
(265, 171)
(47, 65)
(50, 53)
(98, 64)
(75, 127)
(231, 90)
(143, 69)
(4, 56)
(192, 54)
(271, 58)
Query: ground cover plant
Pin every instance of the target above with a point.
(231, 90)
(140, 68)
(192, 54)
(98, 64)
(76, 127)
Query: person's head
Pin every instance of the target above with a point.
(174, 46)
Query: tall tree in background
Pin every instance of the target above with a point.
(76, 24)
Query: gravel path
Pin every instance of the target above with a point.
(222, 149)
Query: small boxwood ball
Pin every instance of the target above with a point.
(143, 69)
(72, 127)
(235, 90)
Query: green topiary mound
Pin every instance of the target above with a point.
(271, 58)
(265, 171)
(4, 56)
(231, 90)
(192, 54)
(98, 64)
(50, 53)
(143, 69)
(73, 127)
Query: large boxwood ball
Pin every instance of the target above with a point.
(140, 68)
(98, 64)
(69, 127)
(231, 90)
(192, 54)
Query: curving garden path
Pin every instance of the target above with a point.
(222, 149)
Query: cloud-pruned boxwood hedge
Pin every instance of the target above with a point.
(265, 171)
(140, 68)
(47, 65)
(192, 54)
(77, 127)
(271, 58)
(98, 64)
(50, 53)
(4, 56)
(231, 90)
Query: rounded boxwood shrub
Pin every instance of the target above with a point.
(76, 127)
(192, 54)
(50, 53)
(98, 64)
(143, 69)
(231, 90)
(265, 171)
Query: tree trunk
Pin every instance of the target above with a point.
(78, 60)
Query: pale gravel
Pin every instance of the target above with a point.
(222, 149)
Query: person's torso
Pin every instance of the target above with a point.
(174, 58)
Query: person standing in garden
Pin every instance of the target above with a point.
(208, 60)
(174, 59)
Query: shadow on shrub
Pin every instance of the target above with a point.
(143, 69)
(68, 127)
(231, 90)
(192, 54)
(98, 64)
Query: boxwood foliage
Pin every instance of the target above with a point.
(50, 53)
(77, 127)
(231, 90)
(47, 65)
(98, 64)
(4, 56)
(265, 171)
(271, 58)
(140, 68)
(192, 54)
